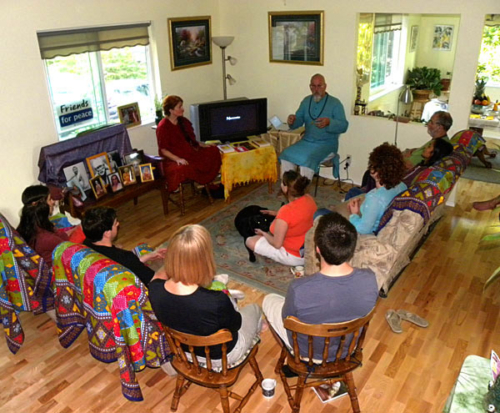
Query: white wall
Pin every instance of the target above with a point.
(286, 84)
(28, 123)
(27, 118)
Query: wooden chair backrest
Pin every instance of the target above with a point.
(356, 327)
(176, 339)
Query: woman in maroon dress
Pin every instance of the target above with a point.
(185, 157)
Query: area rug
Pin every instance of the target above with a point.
(477, 172)
(231, 255)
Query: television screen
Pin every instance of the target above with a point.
(229, 120)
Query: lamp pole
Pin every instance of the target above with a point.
(224, 85)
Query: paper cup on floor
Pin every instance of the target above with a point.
(268, 388)
(298, 271)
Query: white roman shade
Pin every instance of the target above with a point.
(388, 22)
(74, 41)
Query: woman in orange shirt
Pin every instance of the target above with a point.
(285, 239)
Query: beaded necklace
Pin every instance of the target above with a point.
(322, 109)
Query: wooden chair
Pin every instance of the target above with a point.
(166, 168)
(192, 371)
(348, 356)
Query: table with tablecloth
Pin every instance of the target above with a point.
(257, 165)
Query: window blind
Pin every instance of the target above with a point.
(388, 22)
(74, 41)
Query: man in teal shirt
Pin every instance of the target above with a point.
(324, 119)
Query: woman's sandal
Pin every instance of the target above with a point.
(413, 318)
(394, 321)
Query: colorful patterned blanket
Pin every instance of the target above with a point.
(24, 284)
(96, 293)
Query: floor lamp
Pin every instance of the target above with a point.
(405, 97)
(223, 42)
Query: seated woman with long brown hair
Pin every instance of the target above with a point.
(387, 168)
(186, 158)
(183, 302)
(285, 239)
(36, 227)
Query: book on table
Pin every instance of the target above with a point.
(327, 392)
(244, 146)
(215, 142)
(260, 143)
(225, 148)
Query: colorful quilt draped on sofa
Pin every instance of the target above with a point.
(95, 292)
(428, 187)
(24, 284)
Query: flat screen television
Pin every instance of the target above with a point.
(229, 120)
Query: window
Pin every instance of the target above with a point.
(91, 72)
(385, 56)
(489, 64)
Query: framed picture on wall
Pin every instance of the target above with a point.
(442, 38)
(413, 38)
(190, 42)
(296, 37)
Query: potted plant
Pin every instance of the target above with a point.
(424, 80)
(158, 109)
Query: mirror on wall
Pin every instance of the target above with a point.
(396, 52)
(485, 102)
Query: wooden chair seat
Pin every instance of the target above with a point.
(348, 356)
(206, 375)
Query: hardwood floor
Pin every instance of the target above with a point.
(409, 372)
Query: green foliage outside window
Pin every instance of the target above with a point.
(489, 57)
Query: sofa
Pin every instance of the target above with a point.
(95, 293)
(409, 218)
(25, 284)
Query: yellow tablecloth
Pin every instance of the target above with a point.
(245, 167)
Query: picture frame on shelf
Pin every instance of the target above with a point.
(190, 42)
(127, 174)
(98, 187)
(306, 28)
(115, 160)
(78, 177)
(134, 158)
(442, 38)
(129, 115)
(99, 165)
(146, 172)
(115, 182)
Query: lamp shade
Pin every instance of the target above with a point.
(222, 41)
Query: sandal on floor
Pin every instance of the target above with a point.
(413, 318)
(394, 321)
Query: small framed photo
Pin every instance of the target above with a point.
(442, 38)
(146, 172)
(130, 114)
(99, 165)
(77, 176)
(128, 175)
(115, 160)
(115, 182)
(413, 38)
(190, 42)
(98, 186)
(296, 37)
(135, 158)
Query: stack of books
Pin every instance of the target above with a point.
(259, 142)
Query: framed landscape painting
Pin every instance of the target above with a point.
(190, 42)
(296, 37)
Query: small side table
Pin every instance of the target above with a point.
(244, 167)
(281, 140)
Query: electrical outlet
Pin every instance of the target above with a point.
(348, 162)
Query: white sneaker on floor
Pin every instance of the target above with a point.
(223, 278)
(237, 294)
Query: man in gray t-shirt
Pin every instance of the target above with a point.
(336, 294)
